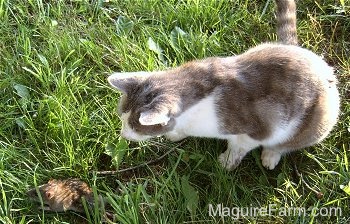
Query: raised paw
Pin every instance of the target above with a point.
(270, 158)
(175, 136)
(229, 160)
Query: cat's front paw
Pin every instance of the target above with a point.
(270, 158)
(229, 161)
(175, 136)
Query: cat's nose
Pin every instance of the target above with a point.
(126, 134)
(130, 136)
(122, 133)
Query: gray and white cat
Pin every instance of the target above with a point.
(276, 95)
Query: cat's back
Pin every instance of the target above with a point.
(274, 84)
(283, 54)
(288, 64)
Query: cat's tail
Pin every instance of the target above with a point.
(286, 22)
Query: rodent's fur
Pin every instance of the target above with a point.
(63, 195)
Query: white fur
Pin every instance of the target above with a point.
(127, 75)
(150, 118)
(127, 131)
(199, 120)
(282, 132)
(270, 158)
(237, 147)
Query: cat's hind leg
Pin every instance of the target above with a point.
(238, 146)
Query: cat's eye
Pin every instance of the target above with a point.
(150, 97)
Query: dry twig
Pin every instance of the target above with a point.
(112, 172)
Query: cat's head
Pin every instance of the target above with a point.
(145, 108)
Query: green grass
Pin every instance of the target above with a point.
(58, 114)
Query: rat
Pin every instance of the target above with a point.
(64, 195)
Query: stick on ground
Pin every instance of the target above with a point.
(112, 172)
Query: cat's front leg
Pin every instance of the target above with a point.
(175, 136)
(238, 146)
(270, 157)
(232, 157)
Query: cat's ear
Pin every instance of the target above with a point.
(124, 80)
(154, 117)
